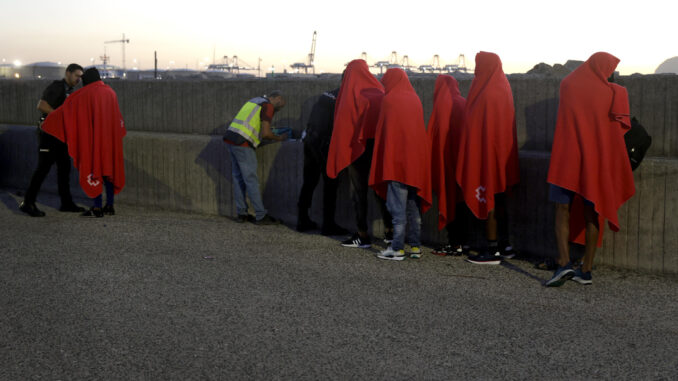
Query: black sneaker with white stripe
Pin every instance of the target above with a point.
(486, 258)
(358, 241)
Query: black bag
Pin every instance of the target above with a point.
(638, 141)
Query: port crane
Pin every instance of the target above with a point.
(123, 42)
(310, 62)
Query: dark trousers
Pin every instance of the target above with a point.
(52, 150)
(108, 187)
(359, 173)
(501, 213)
(457, 230)
(314, 167)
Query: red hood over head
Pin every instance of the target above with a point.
(355, 116)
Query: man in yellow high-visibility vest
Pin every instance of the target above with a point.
(245, 133)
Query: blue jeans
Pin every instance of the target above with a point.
(563, 196)
(403, 204)
(245, 180)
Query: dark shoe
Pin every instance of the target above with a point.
(358, 241)
(508, 252)
(108, 210)
(451, 250)
(267, 220)
(581, 277)
(560, 276)
(305, 224)
(333, 229)
(245, 218)
(548, 264)
(31, 210)
(485, 258)
(71, 208)
(94, 213)
(443, 250)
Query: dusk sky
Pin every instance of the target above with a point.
(189, 34)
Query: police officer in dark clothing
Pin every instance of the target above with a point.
(52, 150)
(316, 148)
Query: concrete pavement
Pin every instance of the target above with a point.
(148, 294)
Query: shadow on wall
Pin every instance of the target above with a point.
(19, 159)
(18, 155)
(299, 124)
(216, 161)
(282, 185)
(529, 207)
(155, 190)
(540, 125)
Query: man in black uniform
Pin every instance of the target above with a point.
(52, 150)
(316, 147)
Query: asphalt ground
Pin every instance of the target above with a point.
(149, 294)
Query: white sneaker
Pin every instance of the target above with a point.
(391, 254)
(415, 252)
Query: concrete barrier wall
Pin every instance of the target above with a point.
(204, 107)
(175, 158)
(191, 173)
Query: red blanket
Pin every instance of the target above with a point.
(401, 148)
(444, 130)
(90, 123)
(487, 162)
(355, 116)
(589, 154)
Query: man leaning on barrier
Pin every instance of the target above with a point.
(250, 126)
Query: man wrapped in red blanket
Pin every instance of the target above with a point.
(90, 123)
(589, 173)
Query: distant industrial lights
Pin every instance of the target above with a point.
(17, 75)
(17, 63)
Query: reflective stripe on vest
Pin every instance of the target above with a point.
(248, 123)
